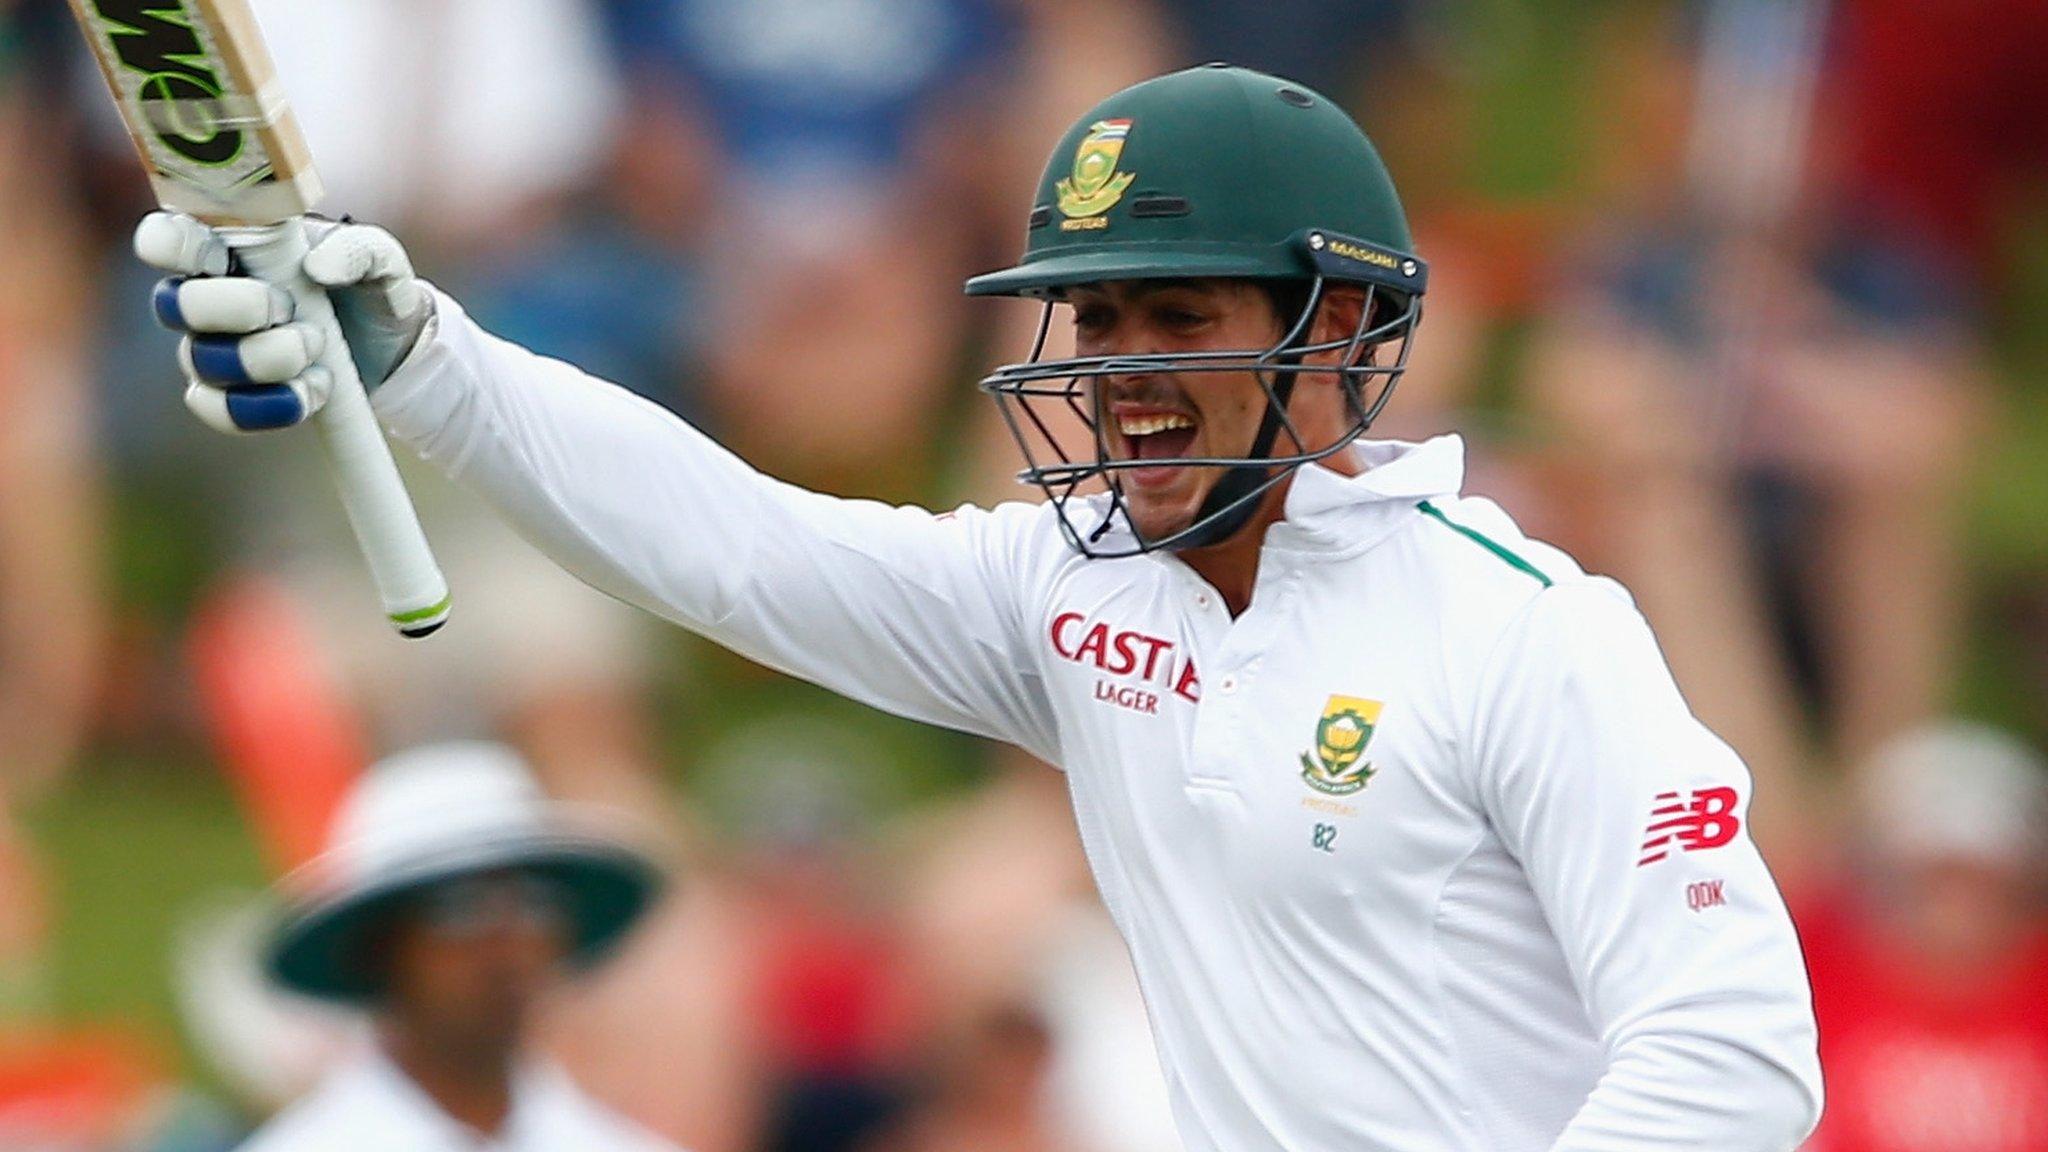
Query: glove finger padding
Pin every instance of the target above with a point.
(382, 306)
(259, 407)
(232, 304)
(346, 255)
(272, 356)
(178, 243)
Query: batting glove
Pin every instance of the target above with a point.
(248, 366)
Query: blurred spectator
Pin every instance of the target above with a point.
(668, 1031)
(777, 1003)
(430, 146)
(1824, 372)
(838, 147)
(1947, 164)
(832, 1000)
(1019, 967)
(1928, 962)
(491, 123)
(1324, 44)
(451, 899)
(986, 1091)
(486, 143)
(827, 987)
(993, 876)
(1036, 1035)
(50, 524)
(1934, 141)
(1631, 481)
(59, 1087)
(1105, 1087)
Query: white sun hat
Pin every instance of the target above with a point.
(1957, 791)
(435, 814)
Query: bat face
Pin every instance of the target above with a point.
(200, 96)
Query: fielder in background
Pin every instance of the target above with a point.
(1412, 837)
(452, 898)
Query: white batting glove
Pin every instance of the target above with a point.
(248, 366)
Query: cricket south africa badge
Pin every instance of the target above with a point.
(1095, 185)
(1337, 763)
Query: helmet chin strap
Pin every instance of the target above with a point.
(1217, 520)
(1230, 504)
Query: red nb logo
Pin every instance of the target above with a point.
(1704, 819)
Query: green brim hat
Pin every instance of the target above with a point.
(435, 815)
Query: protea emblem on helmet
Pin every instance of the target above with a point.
(1337, 763)
(1095, 185)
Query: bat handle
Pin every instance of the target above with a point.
(387, 529)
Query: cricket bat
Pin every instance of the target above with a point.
(201, 98)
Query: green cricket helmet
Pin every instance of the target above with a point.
(1215, 171)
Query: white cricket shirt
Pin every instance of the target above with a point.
(1423, 852)
(368, 1103)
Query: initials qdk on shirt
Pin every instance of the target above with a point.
(1131, 659)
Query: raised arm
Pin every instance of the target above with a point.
(918, 614)
(923, 615)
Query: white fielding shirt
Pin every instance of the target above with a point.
(1523, 914)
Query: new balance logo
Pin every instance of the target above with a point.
(1704, 818)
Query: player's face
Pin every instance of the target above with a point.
(1162, 415)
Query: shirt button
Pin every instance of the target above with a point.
(1229, 684)
(1201, 599)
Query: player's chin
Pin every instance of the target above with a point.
(1158, 512)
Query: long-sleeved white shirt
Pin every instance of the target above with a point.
(1422, 852)
(368, 1103)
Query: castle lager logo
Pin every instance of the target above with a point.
(1337, 764)
(1095, 185)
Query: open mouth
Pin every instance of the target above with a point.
(1153, 435)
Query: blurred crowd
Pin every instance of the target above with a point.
(1732, 299)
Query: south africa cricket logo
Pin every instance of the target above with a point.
(1337, 763)
(1095, 185)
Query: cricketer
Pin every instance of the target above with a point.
(1414, 842)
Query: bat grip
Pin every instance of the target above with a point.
(387, 529)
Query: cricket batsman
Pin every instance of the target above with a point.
(1414, 842)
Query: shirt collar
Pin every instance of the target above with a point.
(400, 1105)
(404, 1105)
(1327, 508)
